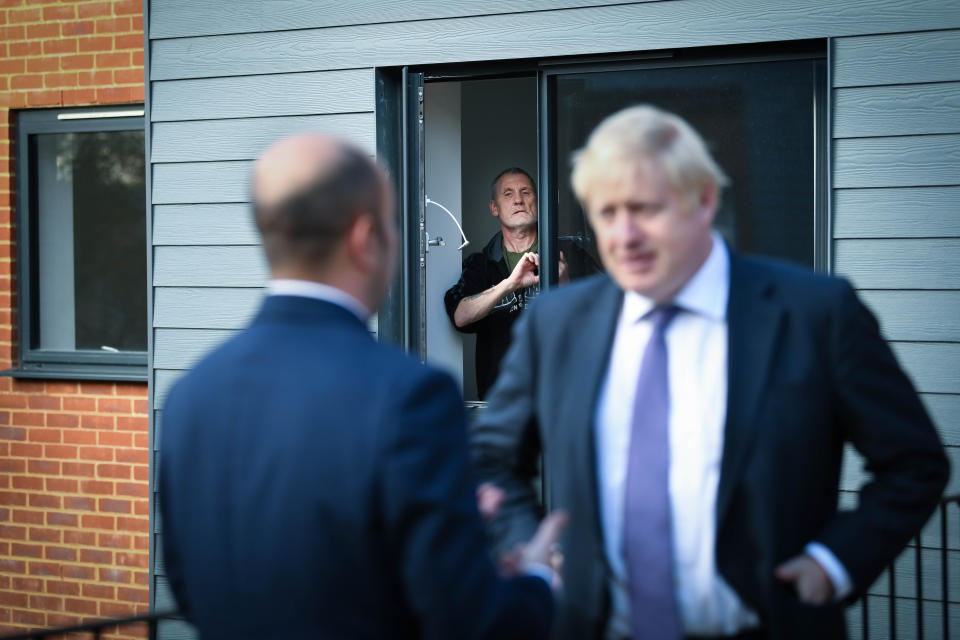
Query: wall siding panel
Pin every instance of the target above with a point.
(913, 212)
(201, 182)
(181, 348)
(909, 161)
(917, 316)
(897, 110)
(204, 224)
(209, 267)
(899, 58)
(899, 264)
(291, 94)
(199, 308)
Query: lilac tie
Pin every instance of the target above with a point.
(648, 542)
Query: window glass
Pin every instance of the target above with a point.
(757, 119)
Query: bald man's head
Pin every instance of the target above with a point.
(307, 190)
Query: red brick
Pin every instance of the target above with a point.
(28, 517)
(28, 584)
(82, 469)
(4, 515)
(45, 435)
(99, 522)
(112, 505)
(117, 471)
(127, 8)
(88, 538)
(96, 422)
(13, 599)
(93, 9)
(26, 550)
(43, 98)
(62, 451)
(96, 43)
(79, 504)
(132, 595)
(97, 487)
(141, 473)
(133, 489)
(49, 569)
(73, 97)
(129, 41)
(27, 48)
(13, 65)
(138, 525)
(9, 565)
(113, 405)
(11, 532)
(62, 387)
(60, 80)
(11, 33)
(119, 95)
(13, 499)
(78, 28)
(44, 501)
(117, 610)
(9, 465)
(76, 62)
(62, 520)
(63, 620)
(71, 436)
(112, 439)
(32, 618)
(61, 485)
(136, 58)
(102, 591)
(133, 456)
(23, 418)
(80, 606)
(79, 573)
(28, 483)
(50, 403)
(64, 554)
(141, 407)
(60, 12)
(61, 588)
(114, 541)
(13, 433)
(64, 420)
(141, 440)
(23, 16)
(96, 556)
(45, 467)
(141, 578)
(79, 404)
(113, 25)
(97, 388)
(59, 45)
(134, 560)
(114, 575)
(96, 453)
(38, 534)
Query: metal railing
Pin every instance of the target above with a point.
(99, 627)
(949, 506)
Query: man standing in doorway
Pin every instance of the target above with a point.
(497, 283)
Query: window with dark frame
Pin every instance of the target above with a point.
(81, 246)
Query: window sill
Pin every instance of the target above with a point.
(114, 373)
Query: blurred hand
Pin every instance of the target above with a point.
(523, 274)
(489, 499)
(809, 580)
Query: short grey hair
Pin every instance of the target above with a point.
(646, 132)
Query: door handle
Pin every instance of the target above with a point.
(434, 242)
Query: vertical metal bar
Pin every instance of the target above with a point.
(918, 559)
(893, 601)
(865, 616)
(944, 581)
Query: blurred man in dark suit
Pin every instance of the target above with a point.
(313, 483)
(691, 406)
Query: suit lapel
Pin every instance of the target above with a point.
(753, 321)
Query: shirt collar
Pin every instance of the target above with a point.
(318, 291)
(706, 293)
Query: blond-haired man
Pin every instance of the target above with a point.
(691, 406)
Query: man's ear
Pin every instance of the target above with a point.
(706, 205)
(361, 243)
(494, 209)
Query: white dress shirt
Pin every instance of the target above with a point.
(319, 291)
(697, 372)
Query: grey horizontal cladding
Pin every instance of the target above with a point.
(180, 18)
(945, 412)
(919, 212)
(201, 182)
(853, 477)
(182, 348)
(209, 267)
(878, 620)
(608, 29)
(909, 161)
(163, 380)
(897, 110)
(919, 316)
(931, 574)
(176, 630)
(207, 308)
(908, 263)
(204, 224)
(934, 367)
(932, 533)
(899, 58)
(246, 138)
(291, 94)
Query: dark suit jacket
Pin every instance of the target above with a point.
(808, 371)
(315, 484)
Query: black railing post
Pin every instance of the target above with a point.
(919, 563)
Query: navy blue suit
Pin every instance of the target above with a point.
(807, 372)
(316, 484)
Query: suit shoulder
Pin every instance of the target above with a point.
(577, 293)
(797, 281)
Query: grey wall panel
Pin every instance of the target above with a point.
(945, 412)
(900, 58)
(277, 95)
(201, 182)
(182, 348)
(246, 138)
(199, 224)
(917, 316)
(209, 267)
(899, 264)
(918, 212)
(179, 18)
(163, 379)
(196, 308)
(629, 27)
(910, 161)
(898, 110)
(933, 366)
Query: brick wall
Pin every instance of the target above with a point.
(74, 530)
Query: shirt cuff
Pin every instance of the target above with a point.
(842, 584)
(541, 571)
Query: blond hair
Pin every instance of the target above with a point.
(641, 133)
